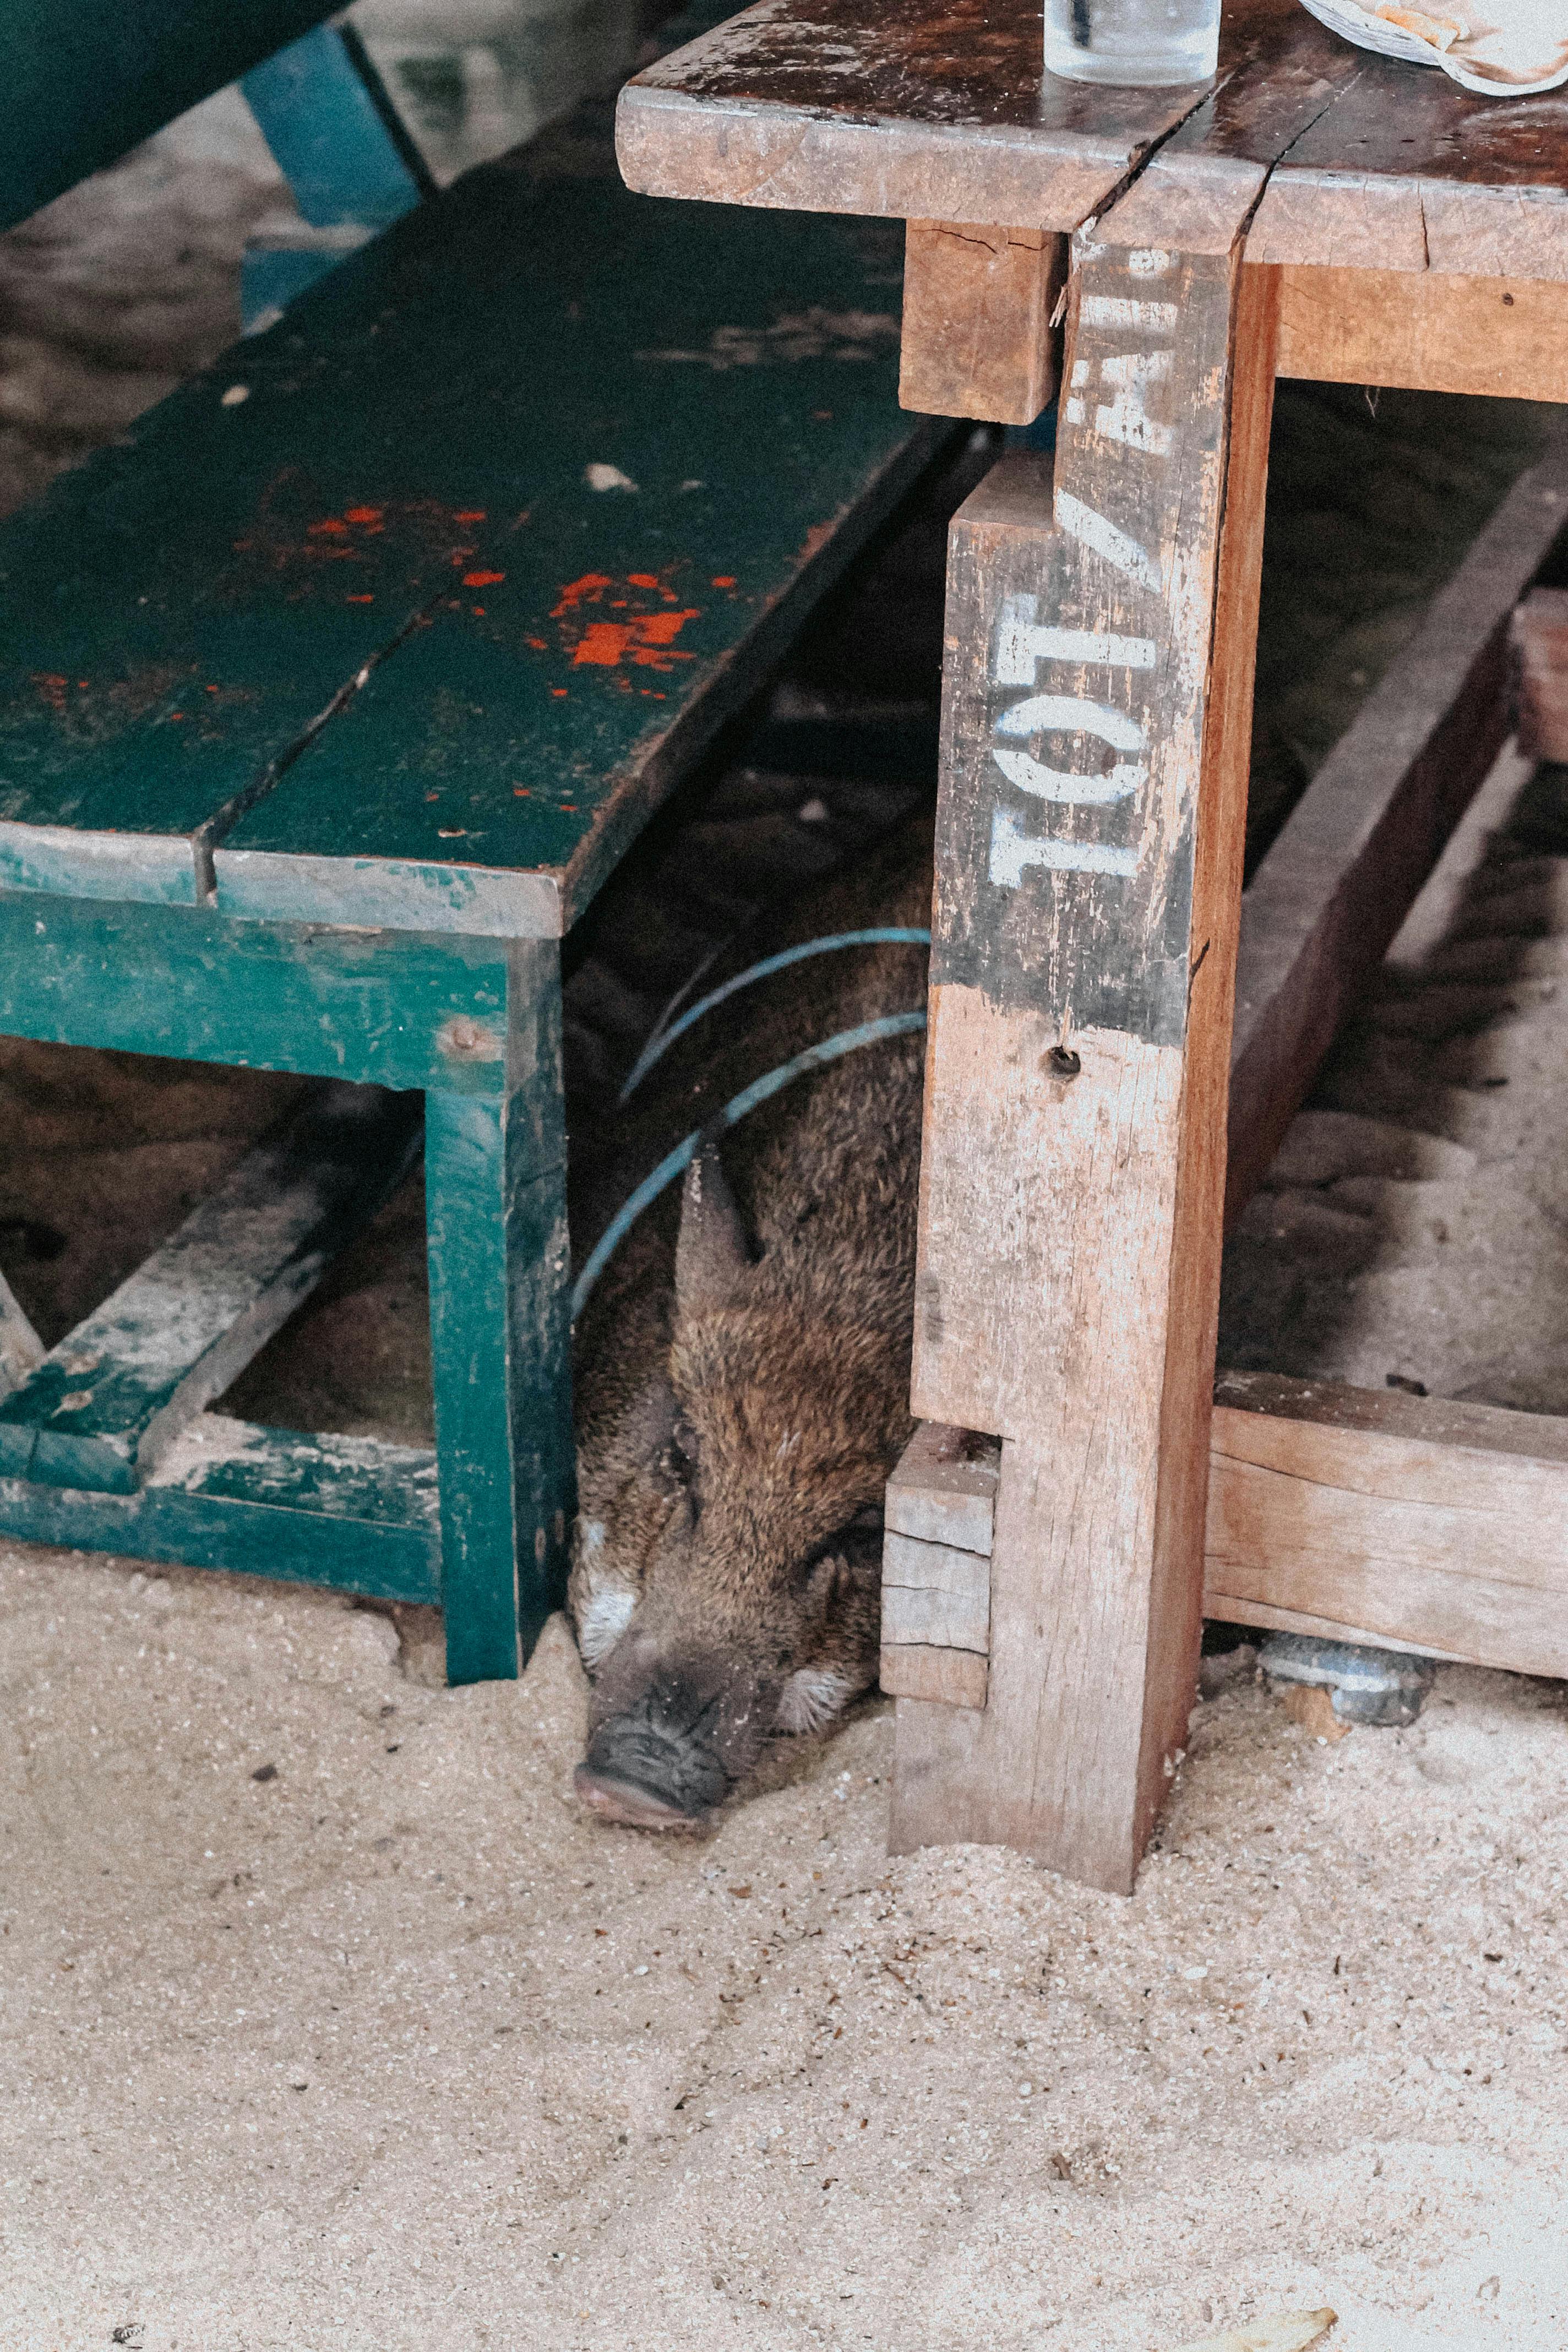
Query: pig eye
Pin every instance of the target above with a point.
(681, 1451)
(859, 1540)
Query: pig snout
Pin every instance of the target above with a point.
(663, 1756)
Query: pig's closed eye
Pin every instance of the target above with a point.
(859, 1539)
(681, 1454)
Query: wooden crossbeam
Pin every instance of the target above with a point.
(100, 1408)
(351, 1512)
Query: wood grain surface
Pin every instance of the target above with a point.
(977, 339)
(1442, 1526)
(1437, 331)
(1089, 864)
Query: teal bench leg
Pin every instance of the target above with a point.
(495, 1175)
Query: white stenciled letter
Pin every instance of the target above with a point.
(1022, 642)
(1013, 851)
(1125, 417)
(1064, 714)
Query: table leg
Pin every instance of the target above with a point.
(1097, 719)
(495, 1174)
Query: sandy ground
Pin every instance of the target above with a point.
(390, 2049)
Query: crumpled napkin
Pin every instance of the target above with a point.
(1499, 48)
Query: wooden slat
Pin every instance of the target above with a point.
(105, 1403)
(351, 1512)
(1442, 1526)
(1336, 885)
(395, 1011)
(943, 1490)
(1501, 336)
(976, 336)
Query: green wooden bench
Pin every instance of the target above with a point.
(326, 705)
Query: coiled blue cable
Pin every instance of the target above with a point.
(831, 1049)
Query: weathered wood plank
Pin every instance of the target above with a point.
(977, 337)
(1507, 337)
(1406, 172)
(389, 1010)
(1442, 1526)
(1083, 951)
(914, 110)
(1355, 851)
(936, 1594)
(350, 1512)
(941, 1677)
(943, 1489)
(105, 1404)
(495, 1182)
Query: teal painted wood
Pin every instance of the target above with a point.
(85, 79)
(495, 1180)
(106, 1403)
(349, 1512)
(341, 146)
(421, 437)
(384, 1008)
(330, 139)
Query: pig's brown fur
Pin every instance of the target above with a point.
(728, 1442)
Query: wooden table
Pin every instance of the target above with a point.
(1314, 211)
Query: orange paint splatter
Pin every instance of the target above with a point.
(605, 643)
(725, 580)
(470, 514)
(537, 643)
(477, 611)
(359, 600)
(363, 514)
(642, 579)
(521, 792)
(559, 692)
(483, 579)
(333, 527)
(588, 590)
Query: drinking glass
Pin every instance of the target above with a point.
(1134, 43)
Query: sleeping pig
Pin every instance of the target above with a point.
(742, 1378)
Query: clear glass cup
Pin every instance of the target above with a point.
(1136, 43)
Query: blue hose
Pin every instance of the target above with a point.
(848, 1041)
(662, 1038)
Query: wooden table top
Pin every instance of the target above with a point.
(941, 110)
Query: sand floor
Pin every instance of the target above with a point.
(389, 2048)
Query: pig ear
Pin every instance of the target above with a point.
(711, 1256)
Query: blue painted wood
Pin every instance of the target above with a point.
(348, 1512)
(330, 139)
(495, 1182)
(104, 1405)
(338, 140)
(86, 79)
(385, 1008)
